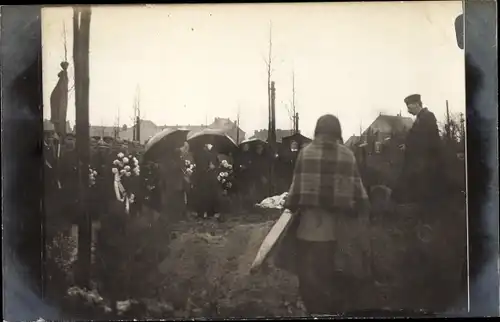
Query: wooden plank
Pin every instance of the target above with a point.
(272, 239)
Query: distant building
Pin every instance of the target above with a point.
(147, 130)
(263, 134)
(102, 131)
(352, 141)
(382, 129)
(229, 127)
(386, 126)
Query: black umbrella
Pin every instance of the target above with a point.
(254, 141)
(220, 140)
(168, 139)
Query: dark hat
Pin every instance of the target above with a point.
(414, 98)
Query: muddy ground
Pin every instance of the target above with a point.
(200, 268)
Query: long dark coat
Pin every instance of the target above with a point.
(420, 178)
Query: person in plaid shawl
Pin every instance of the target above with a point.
(331, 207)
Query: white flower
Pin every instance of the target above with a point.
(128, 174)
(120, 155)
(114, 170)
(229, 166)
(95, 172)
(122, 171)
(223, 180)
(219, 177)
(116, 162)
(127, 168)
(229, 184)
(130, 156)
(125, 160)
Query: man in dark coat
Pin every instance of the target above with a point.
(206, 186)
(243, 173)
(418, 182)
(260, 173)
(68, 175)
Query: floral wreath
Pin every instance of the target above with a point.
(189, 168)
(225, 176)
(92, 175)
(123, 169)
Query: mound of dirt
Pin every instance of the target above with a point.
(208, 269)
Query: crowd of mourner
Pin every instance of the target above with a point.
(321, 176)
(195, 178)
(182, 180)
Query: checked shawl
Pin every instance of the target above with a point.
(326, 176)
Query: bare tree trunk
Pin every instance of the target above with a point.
(269, 72)
(81, 24)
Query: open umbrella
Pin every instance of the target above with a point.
(165, 140)
(220, 140)
(254, 141)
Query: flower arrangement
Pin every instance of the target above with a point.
(225, 176)
(124, 169)
(92, 176)
(189, 168)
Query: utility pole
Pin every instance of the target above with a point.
(81, 39)
(297, 123)
(238, 126)
(269, 72)
(272, 133)
(272, 138)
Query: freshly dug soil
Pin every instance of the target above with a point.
(212, 264)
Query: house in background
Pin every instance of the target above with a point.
(383, 129)
(229, 127)
(352, 141)
(377, 149)
(147, 130)
(102, 131)
(280, 134)
(224, 124)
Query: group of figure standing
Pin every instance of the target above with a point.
(332, 209)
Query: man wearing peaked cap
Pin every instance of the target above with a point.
(414, 98)
(421, 155)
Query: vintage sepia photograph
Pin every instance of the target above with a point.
(255, 160)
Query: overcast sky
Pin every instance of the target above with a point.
(196, 62)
